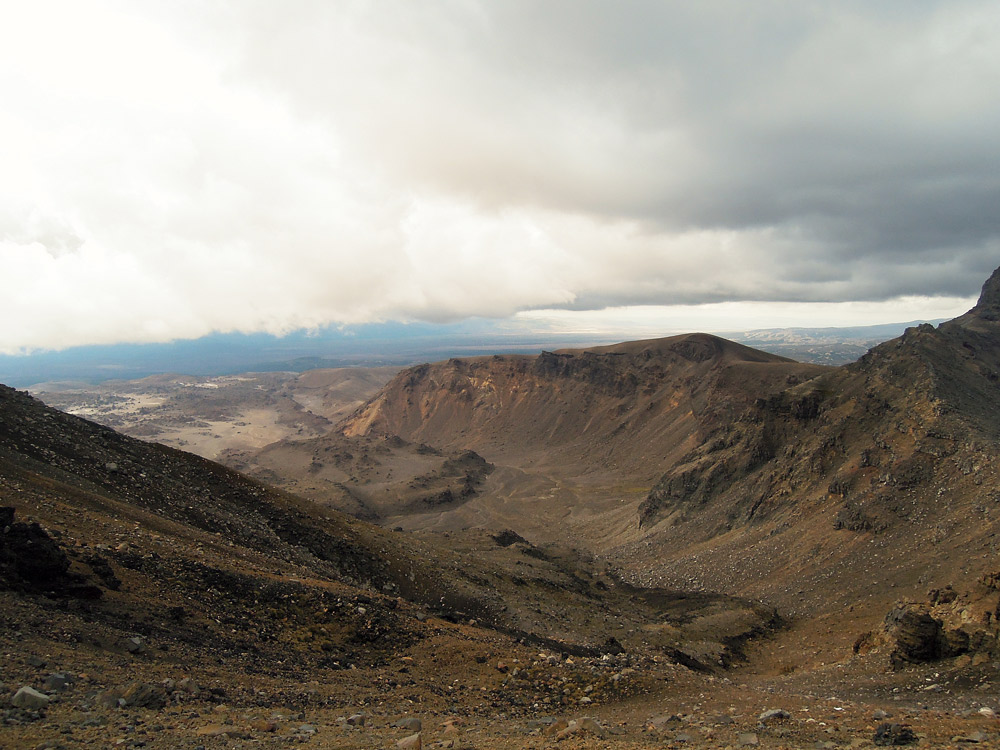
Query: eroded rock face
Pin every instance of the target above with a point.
(988, 306)
(917, 636)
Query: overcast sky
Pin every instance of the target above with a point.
(168, 169)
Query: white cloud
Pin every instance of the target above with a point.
(174, 169)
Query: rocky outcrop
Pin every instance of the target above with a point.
(948, 624)
(31, 561)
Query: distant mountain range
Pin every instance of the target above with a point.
(826, 346)
(378, 344)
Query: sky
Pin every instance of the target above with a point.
(171, 169)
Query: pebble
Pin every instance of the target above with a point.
(357, 720)
(412, 742)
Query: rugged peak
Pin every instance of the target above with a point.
(989, 300)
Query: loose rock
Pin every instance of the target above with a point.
(29, 698)
(894, 734)
(775, 714)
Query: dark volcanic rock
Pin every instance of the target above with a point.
(894, 734)
(988, 306)
(919, 637)
(507, 537)
(916, 635)
(30, 560)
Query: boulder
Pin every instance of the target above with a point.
(29, 698)
(914, 634)
(918, 637)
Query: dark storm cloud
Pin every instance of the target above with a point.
(861, 134)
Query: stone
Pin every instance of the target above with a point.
(264, 725)
(881, 715)
(988, 712)
(972, 737)
(557, 726)
(357, 720)
(916, 634)
(748, 739)
(410, 723)
(212, 730)
(659, 723)
(111, 698)
(135, 645)
(29, 698)
(775, 714)
(57, 681)
(894, 734)
(144, 695)
(412, 742)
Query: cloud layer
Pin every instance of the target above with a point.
(175, 169)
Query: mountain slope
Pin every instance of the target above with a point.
(110, 538)
(815, 488)
(623, 411)
(871, 481)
